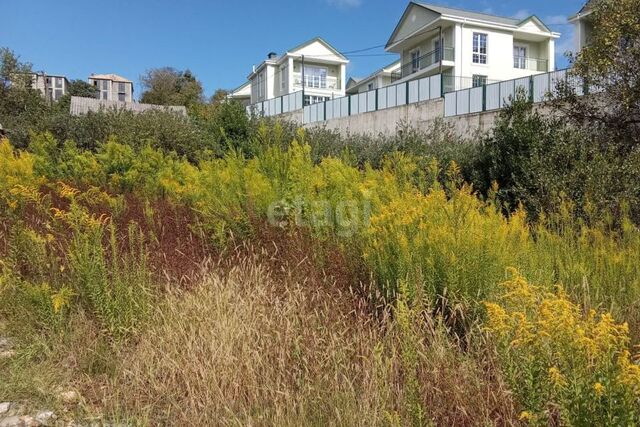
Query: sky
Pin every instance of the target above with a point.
(220, 41)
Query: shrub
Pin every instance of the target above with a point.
(565, 367)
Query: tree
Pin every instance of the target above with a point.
(13, 72)
(168, 86)
(219, 96)
(83, 89)
(608, 66)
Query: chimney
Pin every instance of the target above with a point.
(272, 55)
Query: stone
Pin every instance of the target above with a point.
(4, 407)
(45, 417)
(28, 421)
(14, 421)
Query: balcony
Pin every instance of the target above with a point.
(424, 61)
(530, 64)
(316, 82)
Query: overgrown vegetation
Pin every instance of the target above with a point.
(226, 270)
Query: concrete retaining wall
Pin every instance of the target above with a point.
(418, 116)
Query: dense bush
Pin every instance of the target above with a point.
(540, 160)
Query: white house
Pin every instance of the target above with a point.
(583, 26)
(112, 87)
(53, 87)
(381, 78)
(322, 77)
(242, 94)
(470, 48)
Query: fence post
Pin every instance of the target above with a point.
(349, 104)
(377, 99)
(442, 86)
(281, 104)
(484, 97)
(531, 87)
(406, 91)
(325, 110)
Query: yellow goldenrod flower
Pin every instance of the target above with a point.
(599, 389)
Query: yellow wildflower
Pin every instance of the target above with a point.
(556, 377)
(526, 416)
(599, 389)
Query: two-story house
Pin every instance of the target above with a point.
(314, 67)
(53, 87)
(381, 78)
(583, 26)
(470, 48)
(112, 87)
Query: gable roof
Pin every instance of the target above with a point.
(112, 77)
(444, 10)
(321, 41)
(464, 14)
(585, 10)
(238, 92)
(536, 20)
(279, 59)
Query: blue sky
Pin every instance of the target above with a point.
(218, 40)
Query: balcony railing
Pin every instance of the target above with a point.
(531, 64)
(424, 61)
(315, 82)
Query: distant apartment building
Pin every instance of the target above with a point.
(52, 87)
(112, 87)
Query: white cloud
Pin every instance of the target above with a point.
(555, 20)
(522, 14)
(345, 4)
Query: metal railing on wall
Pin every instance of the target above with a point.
(391, 96)
(498, 95)
(275, 106)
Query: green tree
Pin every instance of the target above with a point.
(83, 89)
(609, 67)
(168, 86)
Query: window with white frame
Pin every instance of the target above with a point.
(520, 57)
(479, 48)
(312, 99)
(415, 60)
(437, 50)
(370, 86)
(122, 93)
(283, 77)
(479, 80)
(315, 77)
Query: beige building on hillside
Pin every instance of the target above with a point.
(52, 87)
(112, 87)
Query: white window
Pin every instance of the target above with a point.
(312, 99)
(479, 48)
(283, 77)
(520, 57)
(437, 51)
(315, 77)
(479, 80)
(415, 61)
(370, 86)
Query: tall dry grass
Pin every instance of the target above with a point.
(245, 348)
